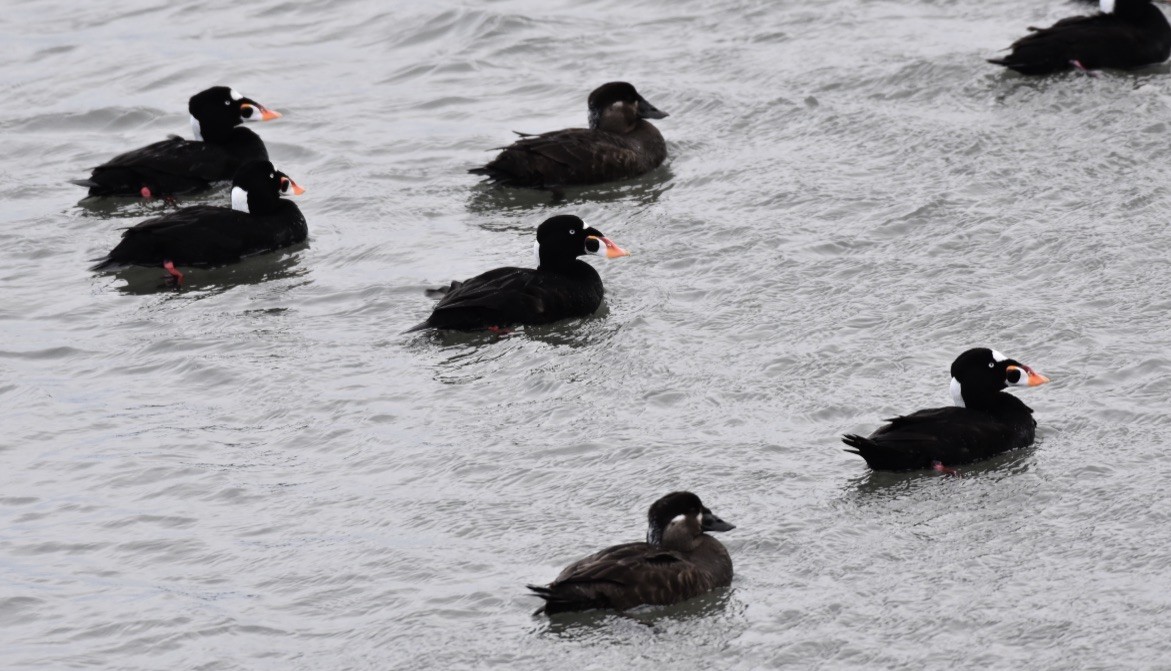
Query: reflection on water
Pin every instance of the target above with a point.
(494, 200)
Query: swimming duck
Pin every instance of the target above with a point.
(1125, 34)
(619, 144)
(983, 422)
(175, 166)
(560, 287)
(202, 235)
(678, 561)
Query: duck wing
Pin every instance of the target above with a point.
(949, 435)
(505, 297)
(1098, 41)
(170, 166)
(197, 235)
(622, 577)
(564, 158)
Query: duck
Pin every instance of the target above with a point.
(619, 144)
(560, 287)
(176, 166)
(1123, 35)
(259, 220)
(982, 422)
(678, 561)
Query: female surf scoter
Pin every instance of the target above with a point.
(202, 235)
(175, 166)
(560, 287)
(1126, 34)
(678, 561)
(984, 422)
(619, 144)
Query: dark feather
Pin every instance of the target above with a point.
(576, 156)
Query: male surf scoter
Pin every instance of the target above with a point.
(560, 287)
(174, 166)
(619, 144)
(678, 561)
(984, 422)
(202, 235)
(1126, 34)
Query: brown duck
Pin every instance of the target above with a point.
(619, 144)
(678, 561)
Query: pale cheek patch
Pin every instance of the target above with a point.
(239, 199)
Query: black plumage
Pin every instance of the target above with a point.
(175, 166)
(619, 144)
(984, 422)
(202, 235)
(1134, 34)
(562, 286)
(677, 562)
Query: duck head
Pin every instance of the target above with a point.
(216, 111)
(617, 107)
(563, 238)
(677, 519)
(979, 374)
(257, 187)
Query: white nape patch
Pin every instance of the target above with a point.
(235, 94)
(998, 357)
(196, 129)
(537, 253)
(957, 394)
(239, 199)
(1107, 6)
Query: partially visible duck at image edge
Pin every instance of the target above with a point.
(983, 422)
(677, 562)
(176, 166)
(1124, 35)
(619, 144)
(259, 220)
(560, 287)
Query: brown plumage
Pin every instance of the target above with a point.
(619, 144)
(677, 562)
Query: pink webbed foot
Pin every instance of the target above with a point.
(938, 467)
(500, 330)
(173, 276)
(145, 192)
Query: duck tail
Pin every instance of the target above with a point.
(863, 447)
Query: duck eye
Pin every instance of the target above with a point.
(572, 232)
(992, 365)
(227, 102)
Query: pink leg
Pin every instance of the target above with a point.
(938, 467)
(145, 192)
(1077, 65)
(499, 330)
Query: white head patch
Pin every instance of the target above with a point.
(195, 129)
(235, 94)
(998, 357)
(1107, 6)
(957, 394)
(239, 199)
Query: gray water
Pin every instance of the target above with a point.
(261, 472)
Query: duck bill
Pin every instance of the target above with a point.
(712, 522)
(649, 111)
(1029, 377)
(289, 185)
(607, 248)
(259, 112)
